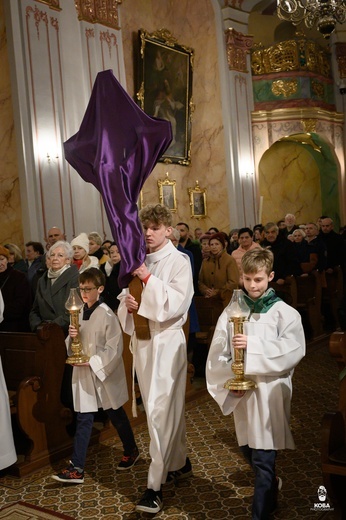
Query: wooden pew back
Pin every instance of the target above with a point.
(333, 448)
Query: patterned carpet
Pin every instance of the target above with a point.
(222, 484)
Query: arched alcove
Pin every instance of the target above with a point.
(299, 174)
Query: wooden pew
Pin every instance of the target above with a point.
(333, 450)
(309, 298)
(33, 366)
(288, 291)
(333, 292)
(208, 311)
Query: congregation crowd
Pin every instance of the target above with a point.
(208, 263)
(30, 298)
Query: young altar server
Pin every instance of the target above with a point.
(273, 343)
(101, 382)
(161, 361)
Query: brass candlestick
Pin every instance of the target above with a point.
(74, 305)
(238, 312)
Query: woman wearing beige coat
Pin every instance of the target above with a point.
(219, 274)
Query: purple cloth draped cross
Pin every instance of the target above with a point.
(116, 148)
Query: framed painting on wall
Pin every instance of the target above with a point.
(198, 201)
(167, 193)
(165, 89)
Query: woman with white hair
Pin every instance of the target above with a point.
(53, 288)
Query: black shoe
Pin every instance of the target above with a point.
(180, 474)
(70, 475)
(128, 460)
(151, 502)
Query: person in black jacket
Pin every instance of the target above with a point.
(16, 295)
(111, 270)
(285, 261)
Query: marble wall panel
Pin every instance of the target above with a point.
(10, 205)
(193, 25)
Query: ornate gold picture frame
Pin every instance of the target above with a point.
(165, 89)
(198, 201)
(140, 201)
(167, 193)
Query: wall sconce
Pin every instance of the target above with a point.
(49, 159)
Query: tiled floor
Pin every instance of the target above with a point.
(222, 484)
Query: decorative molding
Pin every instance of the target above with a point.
(110, 39)
(53, 4)
(284, 88)
(340, 52)
(291, 55)
(309, 125)
(238, 45)
(99, 11)
(38, 17)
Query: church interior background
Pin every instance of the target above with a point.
(267, 115)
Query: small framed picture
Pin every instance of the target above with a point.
(167, 193)
(198, 201)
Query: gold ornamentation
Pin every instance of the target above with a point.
(53, 4)
(110, 39)
(167, 193)
(284, 88)
(309, 125)
(99, 11)
(198, 201)
(291, 55)
(238, 45)
(317, 88)
(39, 16)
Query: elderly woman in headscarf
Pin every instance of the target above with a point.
(219, 274)
(53, 288)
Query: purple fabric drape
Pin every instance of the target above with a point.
(115, 149)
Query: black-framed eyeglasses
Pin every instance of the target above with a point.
(87, 289)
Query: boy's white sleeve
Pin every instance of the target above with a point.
(125, 317)
(275, 347)
(109, 347)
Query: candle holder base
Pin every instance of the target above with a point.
(77, 360)
(241, 384)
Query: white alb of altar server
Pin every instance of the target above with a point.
(275, 345)
(161, 362)
(104, 386)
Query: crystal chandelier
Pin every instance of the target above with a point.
(325, 14)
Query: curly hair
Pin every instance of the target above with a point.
(156, 213)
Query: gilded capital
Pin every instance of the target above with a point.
(238, 45)
(98, 11)
(53, 4)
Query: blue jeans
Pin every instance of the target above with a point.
(265, 492)
(85, 422)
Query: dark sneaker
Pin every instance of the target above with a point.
(180, 474)
(128, 461)
(70, 475)
(151, 502)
